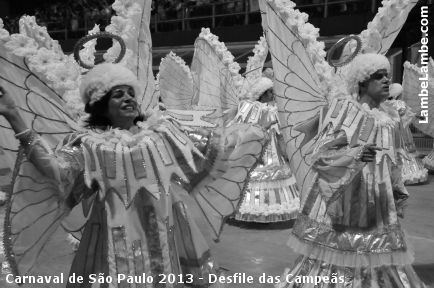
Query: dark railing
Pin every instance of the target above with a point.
(224, 13)
(244, 12)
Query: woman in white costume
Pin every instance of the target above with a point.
(132, 163)
(272, 194)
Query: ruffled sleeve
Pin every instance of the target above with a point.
(62, 166)
(230, 154)
(46, 185)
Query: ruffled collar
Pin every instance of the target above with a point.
(385, 115)
(125, 137)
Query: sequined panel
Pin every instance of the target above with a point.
(397, 140)
(384, 205)
(395, 279)
(163, 151)
(173, 252)
(294, 191)
(127, 191)
(337, 110)
(266, 198)
(354, 211)
(383, 138)
(254, 115)
(366, 130)
(109, 163)
(244, 107)
(350, 277)
(150, 223)
(139, 165)
(177, 135)
(363, 202)
(366, 278)
(90, 262)
(139, 261)
(181, 117)
(91, 156)
(200, 140)
(277, 193)
(310, 201)
(388, 239)
(121, 254)
(351, 115)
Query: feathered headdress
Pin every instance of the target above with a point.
(362, 67)
(103, 77)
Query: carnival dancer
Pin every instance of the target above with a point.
(413, 171)
(411, 85)
(348, 228)
(341, 143)
(272, 193)
(129, 165)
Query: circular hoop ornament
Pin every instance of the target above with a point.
(88, 38)
(344, 51)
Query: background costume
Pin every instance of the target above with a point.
(272, 193)
(413, 171)
(273, 196)
(411, 85)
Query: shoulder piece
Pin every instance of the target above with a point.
(118, 159)
(363, 125)
(255, 112)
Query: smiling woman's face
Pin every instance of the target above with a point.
(122, 107)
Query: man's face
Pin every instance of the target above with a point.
(378, 86)
(267, 96)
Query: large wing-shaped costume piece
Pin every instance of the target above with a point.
(24, 59)
(213, 84)
(381, 32)
(216, 77)
(41, 79)
(414, 76)
(176, 83)
(384, 28)
(45, 85)
(176, 89)
(209, 89)
(298, 62)
(132, 24)
(255, 63)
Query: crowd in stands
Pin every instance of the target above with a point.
(78, 16)
(73, 15)
(232, 12)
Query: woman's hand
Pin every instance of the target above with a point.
(7, 104)
(369, 152)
